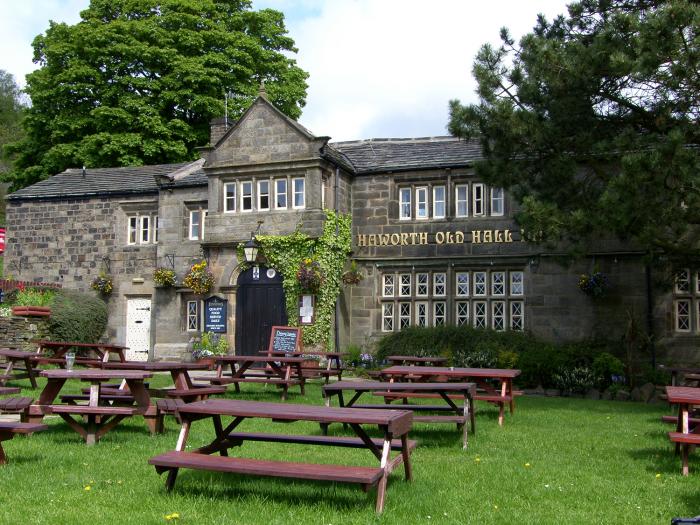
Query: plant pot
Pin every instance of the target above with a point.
(209, 361)
(31, 311)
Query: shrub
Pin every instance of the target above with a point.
(34, 297)
(77, 316)
(209, 345)
(575, 380)
(605, 367)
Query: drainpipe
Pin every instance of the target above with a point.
(337, 306)
(650, 315)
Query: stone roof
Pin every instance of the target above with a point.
(383, 155)
(109, 181)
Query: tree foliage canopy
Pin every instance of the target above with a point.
(11, 112)
(591, 121)
(138, 81)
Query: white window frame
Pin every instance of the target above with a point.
(422, 288)
(462, 288)
(405, 205)
(228, 201)
(387, 317)
(680, 280)
(246, 184)
(480, 318)
(279, 194)
(132, 233)
(479, 282)
(439, 319)
(404, 282)
(465, 200)
(388, 280)
(498, 196)
(199, 223)
(517, 317)
(478, 199)
(193, 315)
(324, 187)
(697, 284)
(422, 203)
(156, 228)
(498, 279)
(439, 281)
(437, 201)
(687, 314)
(517, 279)
(261, 195)
(460, 317)
(498, 315)
(421, 320)
(295, 193)
(404, 316)
(144, 229)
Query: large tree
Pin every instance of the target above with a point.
(138, 81)
(11, 111)
(592, 122)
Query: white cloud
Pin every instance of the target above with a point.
(378, 68)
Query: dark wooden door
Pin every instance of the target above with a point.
(259, 307)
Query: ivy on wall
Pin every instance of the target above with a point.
(284, 253)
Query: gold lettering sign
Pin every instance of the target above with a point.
(441, 237)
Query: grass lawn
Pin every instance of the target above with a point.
(554, 461)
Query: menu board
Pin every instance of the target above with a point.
(284, 339)
(215, 315)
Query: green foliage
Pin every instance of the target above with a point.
(77, 316)
(591, 122)
(199, 279)
(164, 277)
(11, 113)
(137, 81)
(209, 344)
(606, 367)
(575, 380)
(102, 284)
(285, 253)
(34, 297)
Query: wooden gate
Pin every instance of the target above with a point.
(259, 307)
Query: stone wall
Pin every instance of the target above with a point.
(18, 332)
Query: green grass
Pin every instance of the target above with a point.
(589, 462)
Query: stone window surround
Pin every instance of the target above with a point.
(138, 210)
(193, 321)
(686, 302)
(189, 207)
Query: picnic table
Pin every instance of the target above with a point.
(20, 365)
(445, 391)
(676, 370)
(100, 416)
(481, 376)
(280, 371)
(415, 360)
(60, 348)
(334, 365)
(394, 425)
(684, 437)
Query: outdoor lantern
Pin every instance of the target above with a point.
(251, 250)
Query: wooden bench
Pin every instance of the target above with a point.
(72, 398)
(200, 392)
(337, 441)
(9, 429)
(686, 441)
(16, 405)
(674, 419)
(365, 476)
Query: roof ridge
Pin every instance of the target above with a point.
(437, 138)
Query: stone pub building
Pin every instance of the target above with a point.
(434, 244)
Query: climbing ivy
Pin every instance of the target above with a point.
(284, 253)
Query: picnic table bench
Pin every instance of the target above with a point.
(395, 425)
(19, 365)
(8, 430)
(333, 367)
(481, 376)
(410, 360)
(58, 350)
(448, 392)
(685, 435)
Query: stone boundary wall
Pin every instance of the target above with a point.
(18, 332)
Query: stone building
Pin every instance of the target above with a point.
(434, 244)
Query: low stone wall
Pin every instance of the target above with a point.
(18, 332)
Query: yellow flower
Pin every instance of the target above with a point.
(658, 476)
(173, 516)
(527, 465)
(87, 487)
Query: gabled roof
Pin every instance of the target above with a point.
(388, 155)
(130, 180)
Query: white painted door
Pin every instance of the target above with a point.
(138, 329)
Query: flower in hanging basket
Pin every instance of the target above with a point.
(353, 275)
(199, 278)
(309, 275)
(595, 284)
(164, 277)
(102, 284)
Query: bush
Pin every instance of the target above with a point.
(209, 345)
(606, 367)
(34, 297)
(77, 316)
(576, 380)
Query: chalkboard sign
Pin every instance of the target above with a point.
(284, 339)
(215, 315)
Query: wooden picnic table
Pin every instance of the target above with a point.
(334, 365)
(101, 417)
(20, 365)
(394, 425)
(445, 391)
(60, 348)
(409, 360)
(685, 436)
(676, 370)
(280, 371)
(481, 376)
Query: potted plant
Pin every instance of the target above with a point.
(353, 275)
(208, 347)
(199, 279)
(309, 275)
(164, 277)
(102, 284)
(595, 284)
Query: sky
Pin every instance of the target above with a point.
(378, 68)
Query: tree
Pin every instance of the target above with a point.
(11, 111)
(592, 122)
(138, 81)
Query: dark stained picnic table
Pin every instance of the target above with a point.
(685, 436)
(400, 360)
(481, 376)
(334, 365)
(58, 349)
(394, 425)
(19, 365)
